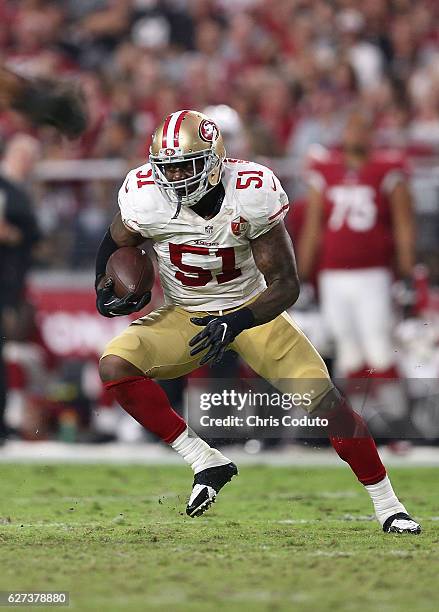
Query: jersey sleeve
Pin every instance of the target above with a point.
(268, 207)
(316, 167)
(125, 199)
(393, 175)
(315, 178)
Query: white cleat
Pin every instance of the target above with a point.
(401, 523)
(206, 487)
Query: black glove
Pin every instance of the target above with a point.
(109, 305)
(219, 332)
(405, 295)
(404, 292)
(52, 103)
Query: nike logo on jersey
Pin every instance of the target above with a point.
(225, 331)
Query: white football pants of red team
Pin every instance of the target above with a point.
(357, 308)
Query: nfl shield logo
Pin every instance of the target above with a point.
(239, 226)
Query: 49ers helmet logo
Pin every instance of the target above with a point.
(208, 130)
(239, 226)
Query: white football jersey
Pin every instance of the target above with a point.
(207, 264)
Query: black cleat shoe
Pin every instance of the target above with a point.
(206, 487)
(401, 523)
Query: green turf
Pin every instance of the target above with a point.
(277, 539)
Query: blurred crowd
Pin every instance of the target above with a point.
(290, 68)
(285, 73)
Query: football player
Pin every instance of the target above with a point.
(359, 224)
(44, 102)
(228, 273)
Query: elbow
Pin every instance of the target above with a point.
(292, 290)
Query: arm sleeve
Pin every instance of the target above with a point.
(127, 208)
(315, 179)
(394, 175)
(267, 209)
(105, 250)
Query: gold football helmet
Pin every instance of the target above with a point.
(187, 136)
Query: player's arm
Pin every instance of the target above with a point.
(274, 256)
(118, 235)
(108, 304)
(403, 228)
(309, 241)
(45, 101)
(123, 235)
(24, 228)
(403, 223)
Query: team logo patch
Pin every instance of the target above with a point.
(170, 152)
(208, 130)
(239, 226)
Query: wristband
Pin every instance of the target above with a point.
(241, 319)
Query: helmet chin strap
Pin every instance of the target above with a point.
(179, 203)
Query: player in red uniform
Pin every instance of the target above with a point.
(359, 226)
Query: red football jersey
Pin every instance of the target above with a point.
(357, 230)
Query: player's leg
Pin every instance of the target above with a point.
(374, 318)
(351, 439)
(282, 354)
(336, 289)
(156, 346)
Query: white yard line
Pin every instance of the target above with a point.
(356, 553)
(109, 523)
(153, 454)
(44, 499)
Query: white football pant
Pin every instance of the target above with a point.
(357, 308)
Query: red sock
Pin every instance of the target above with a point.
(146, 402)
(353, 443)
(390, 374)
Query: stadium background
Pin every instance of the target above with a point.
(282, 76)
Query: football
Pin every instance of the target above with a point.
(131, 270)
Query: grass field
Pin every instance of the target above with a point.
(277, 539)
